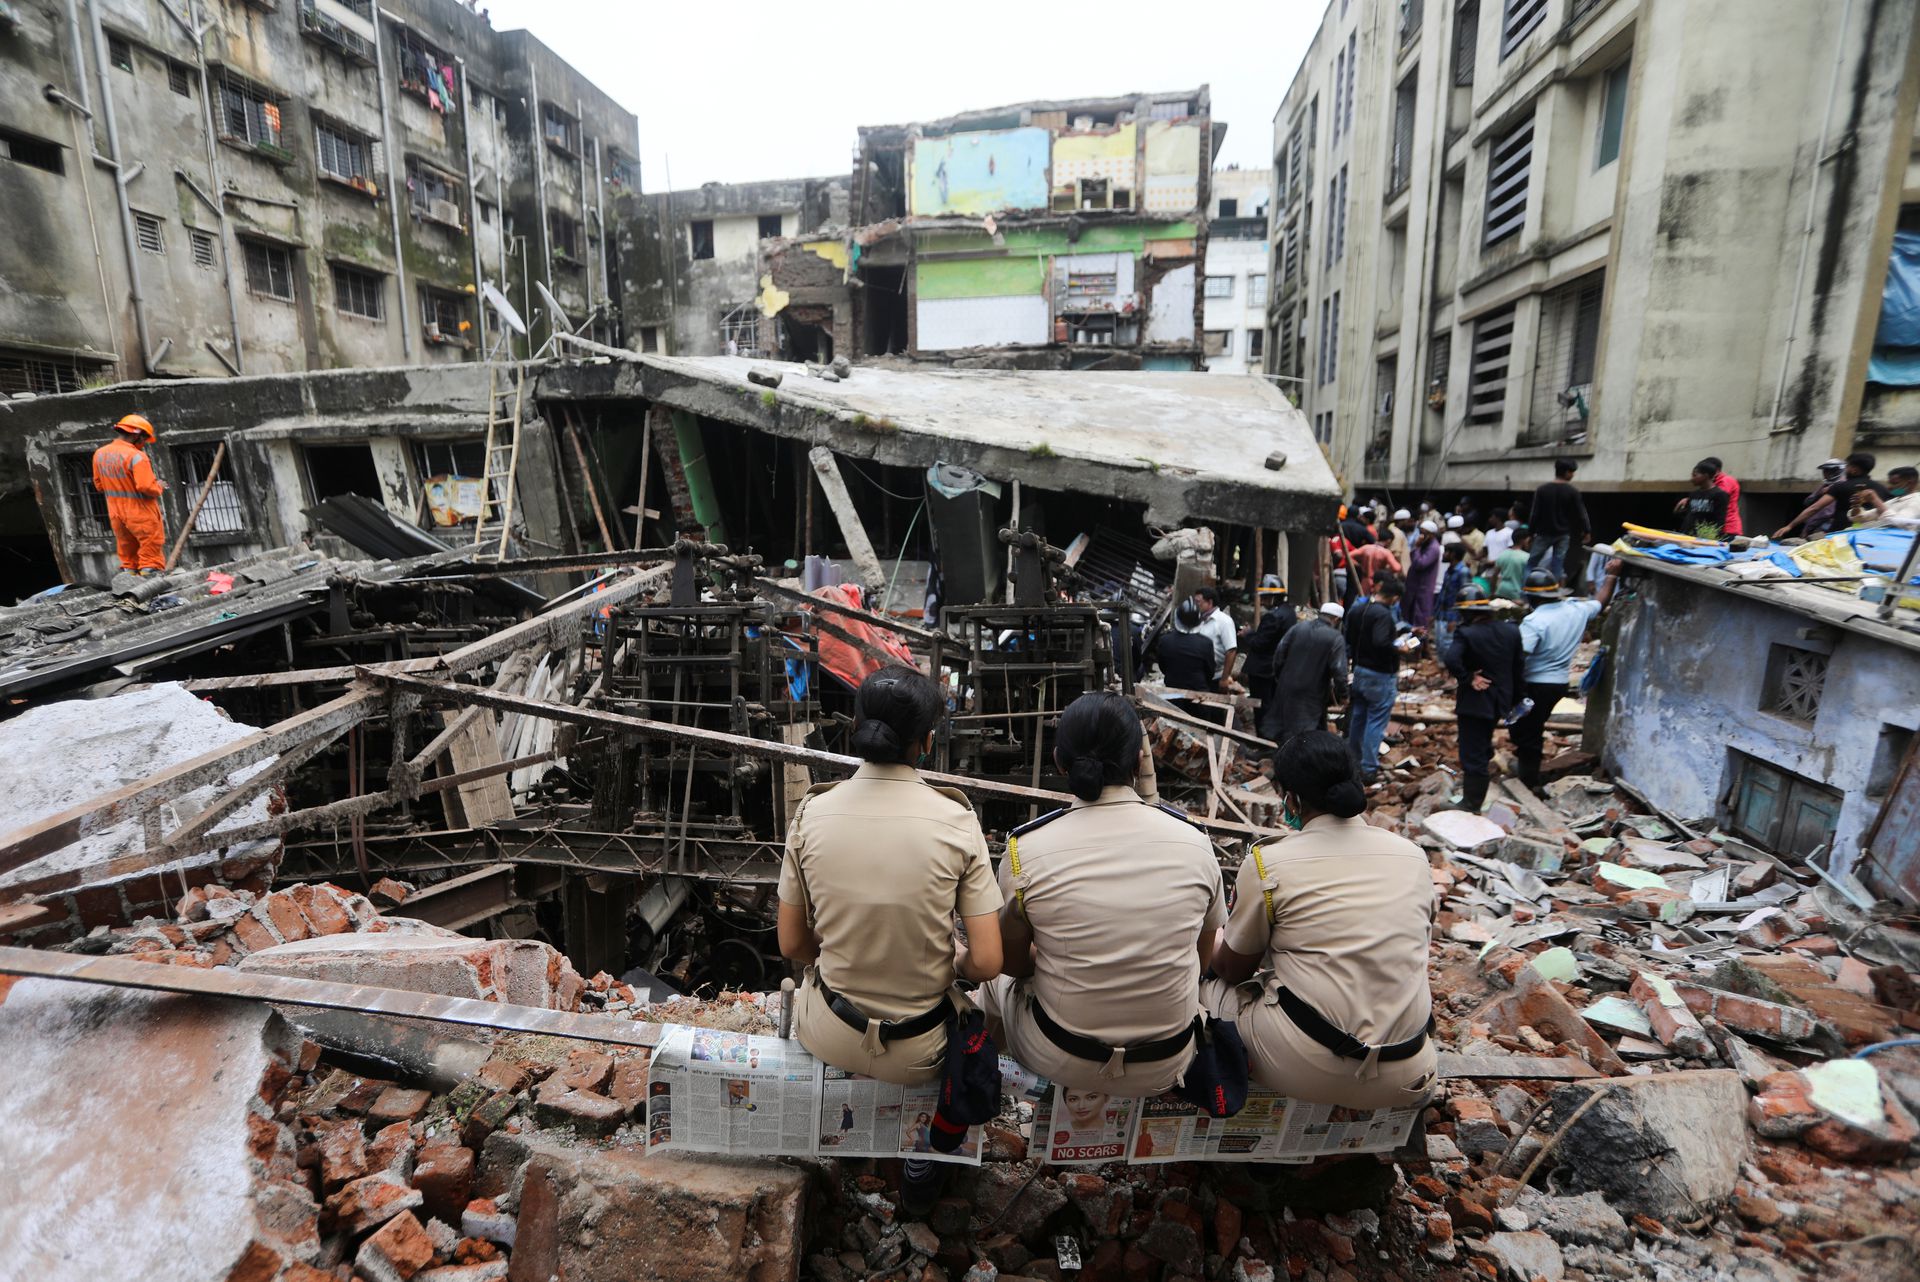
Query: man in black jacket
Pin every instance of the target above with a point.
(1487, 658)
(1558, 517)
(1376, 674)
(1258, 643)
(1186, 663)
(1309, 662)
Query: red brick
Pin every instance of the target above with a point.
(1673, 1023)
(321, 907)
(629, 1085)
(401, 1242)
(1470, 1215)
(504, 1074)
(444, 1176)
(252, 934)
(99, 906)
(587, 1071)
(392, 891)
(1816, 946)
(399, 1104)
(258, 1263)
(343, 1153)
(583, 1111)
(285, 915)
(1748, 1014)
(392, 1149)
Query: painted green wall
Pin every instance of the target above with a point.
(1130, 238)
(982, 277)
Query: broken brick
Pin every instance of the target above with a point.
(1672, 1022)
(1748, 1014)
(366, 1203)
(582, 1111)
(399, 1249)
(399, 1104)
(504, 1074)
(586, 1071)
(444, 1176)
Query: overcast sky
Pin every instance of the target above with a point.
(733, 92)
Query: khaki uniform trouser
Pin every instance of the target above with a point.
(1286, 1060)
(829, 1039)
(1008, 1004)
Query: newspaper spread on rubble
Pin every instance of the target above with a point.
(1271, 1128)
(862, 1117)
(718, 1092)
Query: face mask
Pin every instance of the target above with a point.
(1290, 814)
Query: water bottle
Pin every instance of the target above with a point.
(1520, 710)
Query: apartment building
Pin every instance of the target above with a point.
(1042, 235)
(1233, 286)
(1635, 232)
(695, 286)
(212, 187)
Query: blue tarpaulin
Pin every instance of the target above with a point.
(1896, 345)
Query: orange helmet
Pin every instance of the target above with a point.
(136, 424)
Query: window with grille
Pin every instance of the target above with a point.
(1291, 254)
(25, 149)
(223, 512)
(1333, 209)
(1613, 116)
(423, 70)
(1219, 287)
(146, 231)
(1466, 41)
(269, 269)
(1509, 164)
(1257, 291)
(343, 154)
(120, 53)
(433, 194)
(1795, 680)
(740, 330)
(41, 375)
(565, 231)
(1353, 74)
(359, 293)
(1256, 344)
(1400, 162)
(1297, 149)
(177, 78)
(1329, 337)
(769, 226)
(619, 168)
(1339, 94)
(1340, 217)
(1564, 358)
(203, 248)
(1439, 361)
(1487, 369)
(1323, 427)
(1217, 342)
(443, 312)
(249, 113)
(1521, 18)
(86, 506)
(1410, 15)
(558, 128)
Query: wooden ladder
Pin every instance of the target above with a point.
(506, 385)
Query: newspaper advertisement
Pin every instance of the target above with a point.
(1172, 1130)
(1084, 1127)
(1315, 1130)
(862, 1117)
(717, 1092)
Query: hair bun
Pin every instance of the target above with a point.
(874, 739)
(1345, 799)
(1086, 776)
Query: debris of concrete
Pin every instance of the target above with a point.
(1661, 1146)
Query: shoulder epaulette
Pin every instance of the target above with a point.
(953, 794)
(1031, 824)
(822, 787)
(1177, 813)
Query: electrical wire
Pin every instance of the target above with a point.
(904, 498)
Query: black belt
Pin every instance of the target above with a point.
(891, 1030)
(1087, 1048)
(1345, 1045)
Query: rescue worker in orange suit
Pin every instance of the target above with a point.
(123, 472)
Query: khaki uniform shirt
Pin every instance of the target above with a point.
(882, 863)
(1117, 893)
(1353, 910)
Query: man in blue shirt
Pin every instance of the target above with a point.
(1550, 636)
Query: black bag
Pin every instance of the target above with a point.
(1216, 1080)
(970, 1081)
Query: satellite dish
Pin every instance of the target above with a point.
(502, 308)
(553, 306)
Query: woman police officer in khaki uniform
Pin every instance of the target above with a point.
(1340, 914)
(876, 869)
(1112, 908)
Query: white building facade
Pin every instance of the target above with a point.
(1234, 283)
(1633, 232)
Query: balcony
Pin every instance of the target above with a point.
(334, 34)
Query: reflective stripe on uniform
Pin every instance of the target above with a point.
(128, 494)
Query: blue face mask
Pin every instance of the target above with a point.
(1290, 817)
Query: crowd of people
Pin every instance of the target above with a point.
(1319, 958)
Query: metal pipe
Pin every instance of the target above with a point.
(600, 222)
(500, 208)
(1806, 235)
(393, 184)
(586, 250)
(699, 475)
(539, 132)
(102, 67)
(83, 110)
(239, 362)
(79, 64)
(473, 202)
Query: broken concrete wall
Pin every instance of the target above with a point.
(136, 1137)
(1695, 688)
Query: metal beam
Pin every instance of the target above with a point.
(225, 981)
(906, 630)
(859, 546)
(485, 892)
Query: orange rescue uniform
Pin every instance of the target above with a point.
(124, 474)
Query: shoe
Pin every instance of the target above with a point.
(918, 1196)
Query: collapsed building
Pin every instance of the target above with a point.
(1043, 235)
